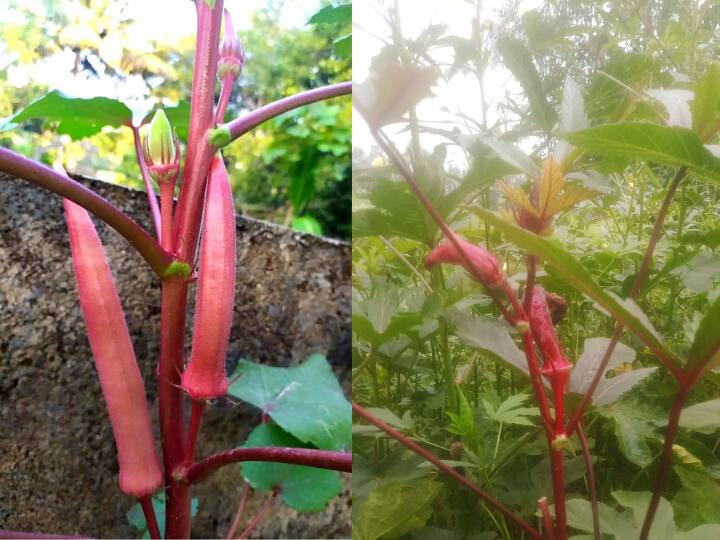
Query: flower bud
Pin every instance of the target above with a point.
(120, 379)
(160, 149)
(485, 267)
(204, 377)
(231, 54)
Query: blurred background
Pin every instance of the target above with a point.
(294, 170)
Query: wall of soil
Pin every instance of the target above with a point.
(58, 471)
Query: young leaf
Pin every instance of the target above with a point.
(572, 111)
(463, 423)
(78, 117)
(488, 335)
(705, 107)
(702, 417)
(391, 91)
(672, 146)
(511, 411)
(306, 489)
(579, 277)
(332, 15)
(518, 60)
(676, 103)
(704, 352)
(342, 46)
(610, 390)
(633, 426)
(587, 365)
(395, 509)
(512, 155)
(698, 502)
(305, 400)
(307, 224)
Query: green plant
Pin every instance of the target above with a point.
(443, 364)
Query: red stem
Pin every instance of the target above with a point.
(167, 191)
(239, 512)
(310, 457)
(199, 154)
(242, 125)
(170, 397)
(591, 481)
(665, 459)
(640, 278)
(174, 293)
(150, 519)
(549, 528)
(152, 200)
(536, 380)
(259, 516)
(442, 467)
(558, 479)
(196, 413)
(22, 167)
(224, 99)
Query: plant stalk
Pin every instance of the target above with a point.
(592, 488)
(43, 176)
(152, 199)
(199, 154)
(242, 125)
(452, 473)
(639, 281)
(310, 457)
(150, 518)
(170, 397)
(665, 458)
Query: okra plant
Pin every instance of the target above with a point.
(194, 240)
(464, 279)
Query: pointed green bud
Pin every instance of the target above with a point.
(161, 142)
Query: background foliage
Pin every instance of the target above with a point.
(430, 357)
(297, 166)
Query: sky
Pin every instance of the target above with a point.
(462, 91)
(164, 20)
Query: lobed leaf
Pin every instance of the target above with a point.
(672, 146)
(518, 60)
(306, 489)
(78, 117)
(704, 352)
(305, 400)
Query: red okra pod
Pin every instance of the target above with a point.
(120, 379)
(486, 267)
(556, 367)
(204, 377)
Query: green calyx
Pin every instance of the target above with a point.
(220, 137)
(176, 268)
(210, 3)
